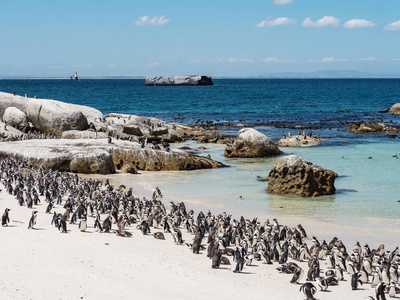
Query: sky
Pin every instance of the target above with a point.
(54, 38)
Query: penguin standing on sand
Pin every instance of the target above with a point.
(32, 220)
(83, 224)
(308, 290)
(380, 291)
(5, 218)
(216, 258)
(63, 224)
(238, 256)
(355, 280)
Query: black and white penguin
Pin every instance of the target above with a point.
(216, 258)
(5, 219)
(177, 234)
(145, 227)
(32, 220)
(62, 224)
(322, 283)
(83, 224)
(354, 281)
(238, 257)
(308, 290)
(380, 291)
(107, 223)
(54, 220)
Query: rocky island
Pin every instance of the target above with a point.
(179, 80)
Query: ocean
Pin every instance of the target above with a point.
(368, 183)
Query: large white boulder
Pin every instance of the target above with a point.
(16, 118)
(252, 143)
(9, 100)
(55, 116)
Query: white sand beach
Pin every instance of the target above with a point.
(43, 263)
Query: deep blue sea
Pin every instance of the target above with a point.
(368, 183)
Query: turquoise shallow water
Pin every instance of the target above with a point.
(366, 197)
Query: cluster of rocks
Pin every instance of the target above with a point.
(362, 128)
(87, 145)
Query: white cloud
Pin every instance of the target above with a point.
(153, 64)
(276, 22)
(332, 59)
(236, 60)
(282, 2)
(327, 21)
(194, 61)
(275, 60)
(396, 59)
(368, 59)
(392, 26)
(358, 23)
(112, 66)
(146, 21)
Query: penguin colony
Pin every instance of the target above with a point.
(237, 241)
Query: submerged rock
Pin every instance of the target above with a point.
(252, 143)
(395, 109)
(360, 128)
(179, 80)
(299, 141)
(99, 156)
(292, 175)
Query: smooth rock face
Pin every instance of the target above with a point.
(395, 109)
(55, 116)
(252, 143)
(85, 134)
(292, 175)
(16, 118)
(9, 100)
(179, 80)
(99, 156)
(360, 128)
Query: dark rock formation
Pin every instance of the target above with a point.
(292, 175)
(179, 80)
(361, 127)
(251, 143)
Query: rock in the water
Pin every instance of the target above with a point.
(84, 134)
(16, 118)
(299, 141)
(292, 175)
(395, 109)
(179, 80)
(252, 143)
(99, 156)
(55, 116)
(9, 100)
(360, 127)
